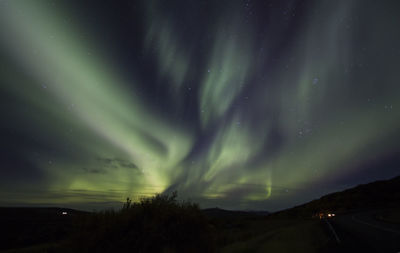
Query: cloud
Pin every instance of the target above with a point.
(117, 163)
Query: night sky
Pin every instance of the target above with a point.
(236, 104)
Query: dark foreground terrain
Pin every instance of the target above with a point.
(367, 219)
(23, 226)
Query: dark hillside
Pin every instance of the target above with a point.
(376, 195)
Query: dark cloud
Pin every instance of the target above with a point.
(116, 163)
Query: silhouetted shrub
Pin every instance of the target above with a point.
(155, 224)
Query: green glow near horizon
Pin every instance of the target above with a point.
(101, 114)
(84, 83)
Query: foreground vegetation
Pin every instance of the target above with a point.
(157, 224)
(164, 224)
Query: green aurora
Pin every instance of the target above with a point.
(241, 107)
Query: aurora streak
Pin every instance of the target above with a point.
(238, 104)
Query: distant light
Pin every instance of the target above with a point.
(333, 214)
(64, 213)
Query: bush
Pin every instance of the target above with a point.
(156, 224)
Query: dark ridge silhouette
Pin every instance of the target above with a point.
(376, 195)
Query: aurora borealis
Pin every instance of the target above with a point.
(237, 104)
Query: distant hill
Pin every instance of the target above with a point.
(379, 194)
(220, 213)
